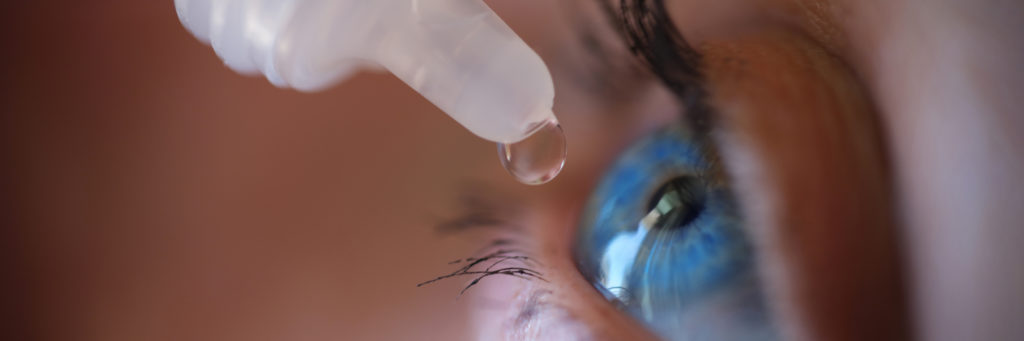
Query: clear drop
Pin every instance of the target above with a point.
(537, 159)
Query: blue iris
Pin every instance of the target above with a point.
(662, 237)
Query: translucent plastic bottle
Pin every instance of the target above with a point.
(456, 53)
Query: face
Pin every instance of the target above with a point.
(766, 170)
(741, 169)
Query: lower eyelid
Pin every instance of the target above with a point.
(536, 317)
(564, 308)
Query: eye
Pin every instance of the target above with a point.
(662, 239)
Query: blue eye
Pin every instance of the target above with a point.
(662, 238)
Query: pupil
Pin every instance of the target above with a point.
(679, 201)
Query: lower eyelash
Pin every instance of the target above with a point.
(505, 260)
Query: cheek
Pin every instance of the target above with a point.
(803, 147)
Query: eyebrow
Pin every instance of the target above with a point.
(481, 207)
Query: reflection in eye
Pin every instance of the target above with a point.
(662, 239)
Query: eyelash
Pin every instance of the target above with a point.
(651, 35)
(487, 265)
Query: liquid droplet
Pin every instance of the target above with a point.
(537, 159)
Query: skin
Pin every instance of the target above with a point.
(849, 181)
(826, 227)
(157, 195)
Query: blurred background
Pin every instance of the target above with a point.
(151, 193)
